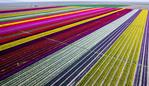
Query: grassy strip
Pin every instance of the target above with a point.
(6, 15)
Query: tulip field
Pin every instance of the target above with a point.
(74, 46)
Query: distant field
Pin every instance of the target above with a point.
(98, 5)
